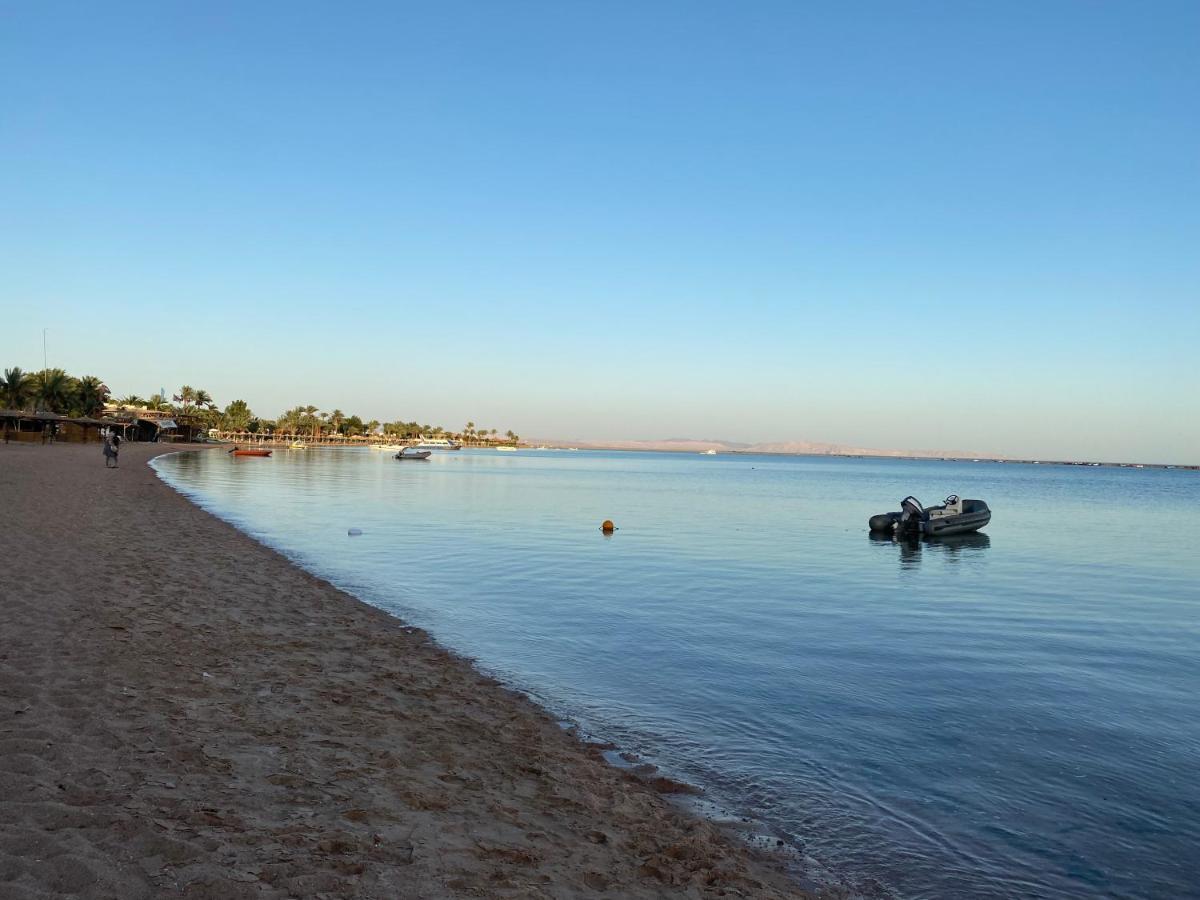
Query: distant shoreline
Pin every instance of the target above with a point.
(976, 458)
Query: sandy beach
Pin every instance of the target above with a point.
(183, 712)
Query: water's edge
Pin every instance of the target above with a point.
(726, 812)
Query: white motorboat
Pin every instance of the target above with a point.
(708, 452)
(955, 516)
(413, 453)
(436, 443)
(507, 449)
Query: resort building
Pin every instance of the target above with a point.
(151, 425)
(35, 427)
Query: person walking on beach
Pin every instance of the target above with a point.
(110, 453)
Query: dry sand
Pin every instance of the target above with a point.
(183, 712)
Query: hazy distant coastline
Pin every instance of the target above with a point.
(822, 448)
(792, 448)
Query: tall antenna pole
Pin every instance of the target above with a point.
(45, 365)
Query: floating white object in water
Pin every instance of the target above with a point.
(354, 531)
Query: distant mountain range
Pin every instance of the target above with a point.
(810, 448)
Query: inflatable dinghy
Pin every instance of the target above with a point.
(955, 516)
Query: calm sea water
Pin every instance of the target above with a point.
(1013, 714)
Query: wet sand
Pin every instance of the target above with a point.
(183, 712)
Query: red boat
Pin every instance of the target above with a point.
(236, 452)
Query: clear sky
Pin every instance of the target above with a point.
(959, 225)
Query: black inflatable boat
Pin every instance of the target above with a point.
(955, 516)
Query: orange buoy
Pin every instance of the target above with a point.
(608, 527)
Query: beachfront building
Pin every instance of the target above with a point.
(151, 425)
(37, 427)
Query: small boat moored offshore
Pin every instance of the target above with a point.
(413, 453)
(437, 443)
(955, 516)
(239, 452)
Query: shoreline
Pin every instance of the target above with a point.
(740, 451)
(977, 458)
(694, 796)
(171, 731)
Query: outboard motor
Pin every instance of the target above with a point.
(912, 514)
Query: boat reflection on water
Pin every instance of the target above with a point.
(951, 548)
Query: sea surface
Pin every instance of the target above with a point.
(1014, 714)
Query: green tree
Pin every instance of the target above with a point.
(292, 421)
(54, 389)
(335, 420)
(16, 389)
(131, 400)
(373, 426)
(90, 395)
(237, 416)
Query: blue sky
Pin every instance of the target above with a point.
(955, 225)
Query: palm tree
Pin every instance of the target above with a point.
(310, 414)
(158, 403)
(237, 416)
(90, 394)
(15, 389)
(53, 388)
(131, 400)
(204, 398)
(372, 426)
(186, 396)
(335, 419)
(291, 421)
